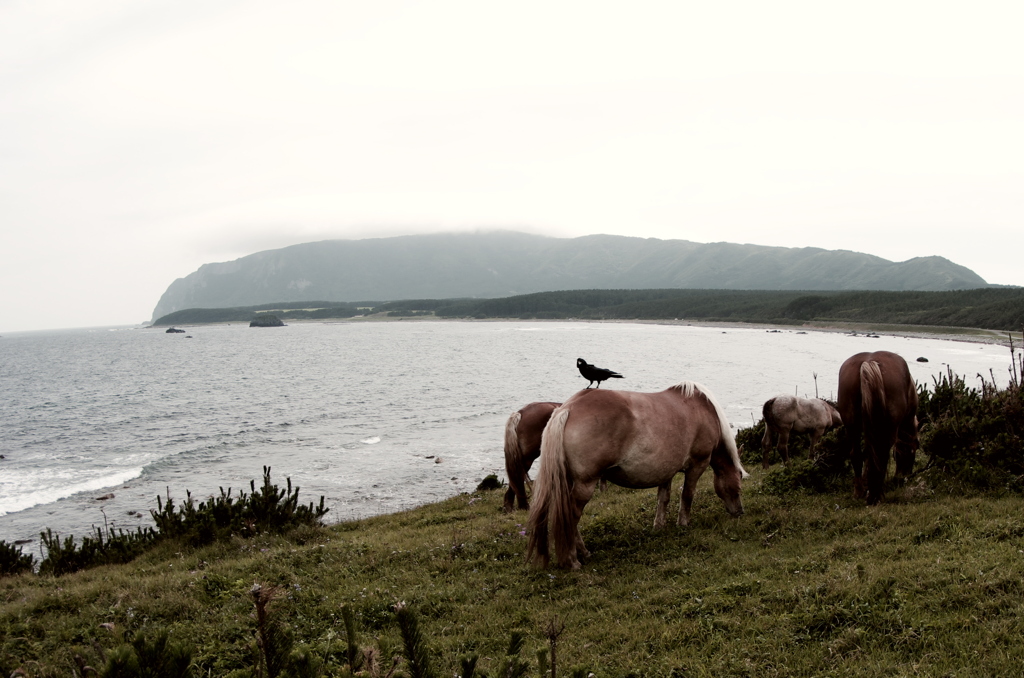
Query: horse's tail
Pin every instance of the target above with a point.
(514, 460)
(872, 391)
(769, 423)
(552, 498)
(723, 424)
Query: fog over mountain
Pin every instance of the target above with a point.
(505, 263)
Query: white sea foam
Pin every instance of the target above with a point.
(373, 440)
(46, 494)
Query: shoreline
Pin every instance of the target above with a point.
(963, 334)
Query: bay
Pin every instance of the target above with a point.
(374, 416)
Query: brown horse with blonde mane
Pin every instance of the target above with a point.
(635, 440)
(522, 446)
(878, 397)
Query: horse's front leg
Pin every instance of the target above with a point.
(693, 474)
(906, 447)
(766, 445)
(815, 437)
(664, 490)
(784, 445)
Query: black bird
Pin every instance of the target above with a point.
(593, 374)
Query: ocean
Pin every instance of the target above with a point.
(375, 416)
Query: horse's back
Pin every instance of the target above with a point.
(533, 418)
(800, 414)
(641, 438)
(877, 384)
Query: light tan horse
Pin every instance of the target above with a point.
(522, 446)
(878, 398)
(635, 440)
(785, 413)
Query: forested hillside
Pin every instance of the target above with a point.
(988, 308)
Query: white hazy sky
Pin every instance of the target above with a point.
(140, 139)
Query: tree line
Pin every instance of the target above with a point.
(985, 308)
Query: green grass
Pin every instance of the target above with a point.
(801, 585)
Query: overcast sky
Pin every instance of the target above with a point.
(142, 139)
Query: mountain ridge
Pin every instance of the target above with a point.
(505, 263)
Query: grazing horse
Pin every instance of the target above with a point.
(522, 446)
(635, 440)
(785, 413)
(878, 397)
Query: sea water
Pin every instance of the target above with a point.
(374, 416)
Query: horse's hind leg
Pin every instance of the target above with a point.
(664, 491)
(877, 465)
(581, 492)
(510, 498)
(516, 491)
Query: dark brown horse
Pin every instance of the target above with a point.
(522, 446)
(635, 440)
(878, 397)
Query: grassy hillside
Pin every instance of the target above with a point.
(808, 582)
(800, 585)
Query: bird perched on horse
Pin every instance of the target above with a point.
(593, 373)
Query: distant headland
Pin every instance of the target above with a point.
(500, 264)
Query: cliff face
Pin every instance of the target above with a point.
(499, 264)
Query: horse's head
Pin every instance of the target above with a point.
(728, 477)
(907, 439)
(727, 487)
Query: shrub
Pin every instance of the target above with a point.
(490, 482)
(267, 509)
(973, 436)
(105, 548)
(145, 658)
(13, 561)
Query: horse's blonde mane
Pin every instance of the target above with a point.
(688, 388)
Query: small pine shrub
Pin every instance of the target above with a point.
(274, 640)
(13, 561)
(105, 548)
(267, 509)
(490, 482)
(974, 437)
(145, 657)
(416, 654)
